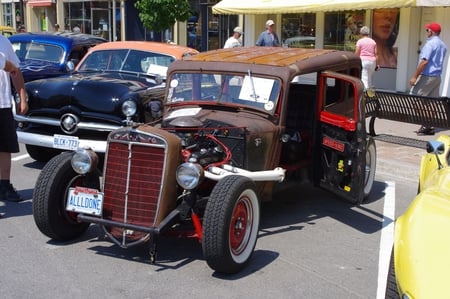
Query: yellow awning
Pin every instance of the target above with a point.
(234, 7)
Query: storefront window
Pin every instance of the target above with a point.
(342, 29)
(92, 17)
(299, 30)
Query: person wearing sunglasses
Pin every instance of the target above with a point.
(427, 77)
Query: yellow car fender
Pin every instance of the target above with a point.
(422, 241)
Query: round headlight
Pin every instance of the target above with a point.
(189, 175)
(84, 161)
(129, 108)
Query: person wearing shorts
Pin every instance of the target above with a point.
(427, 77)
(9, 64)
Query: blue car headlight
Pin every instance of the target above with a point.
(84, 161)
(129, 108)
(189, 175)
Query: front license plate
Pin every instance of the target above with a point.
(85, 200)
(65, 142)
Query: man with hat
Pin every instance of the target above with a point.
(234, 40)
(269, 37)
(427, 77)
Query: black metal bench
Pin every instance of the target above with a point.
(402, 107)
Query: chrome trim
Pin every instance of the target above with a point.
(97, 146)
(103, 127)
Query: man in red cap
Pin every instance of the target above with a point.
(427, 77)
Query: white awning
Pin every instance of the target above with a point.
(432, 2)
(303, 6)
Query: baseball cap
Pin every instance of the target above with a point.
(435, 27)
(270, 23)
(238, 30)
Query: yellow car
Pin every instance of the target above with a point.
(420, 262)
(7, 31)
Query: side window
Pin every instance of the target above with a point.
(339, 97)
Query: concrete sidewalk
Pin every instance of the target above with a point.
(398, 160)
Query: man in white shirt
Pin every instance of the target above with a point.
(234, 40)
(10, 71)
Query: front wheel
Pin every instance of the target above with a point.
(41, 154)
(391, 285)
(371, 163)
(50, 194)
(230, 224)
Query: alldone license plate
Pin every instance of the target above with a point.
(85, 200)
(65, 142)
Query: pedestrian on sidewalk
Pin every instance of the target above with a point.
(234, 41)
(8, 136)
(269, 37)
(427, 77)
(366, 49)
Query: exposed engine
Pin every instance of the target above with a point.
(209, 143)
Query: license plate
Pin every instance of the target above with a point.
(85, 200)
(65, 142)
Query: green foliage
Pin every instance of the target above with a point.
(158, 15)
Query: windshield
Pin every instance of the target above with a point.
(243, 89)
(127, 60)
(38, 51)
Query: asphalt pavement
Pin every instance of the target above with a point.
(399, 148)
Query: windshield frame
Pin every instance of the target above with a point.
(243, 90)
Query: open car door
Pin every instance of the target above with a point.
(339, 162)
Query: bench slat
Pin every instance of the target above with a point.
(428, 111)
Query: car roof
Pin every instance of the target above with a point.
(270, 60)
(157, 47)
(58, 38)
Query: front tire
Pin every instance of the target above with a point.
(50, 194)
(371, 163)
(41, 154)
(230, 224)
(391, 285)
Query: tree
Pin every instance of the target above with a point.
(158, 15)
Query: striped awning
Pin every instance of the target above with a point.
(304, 6)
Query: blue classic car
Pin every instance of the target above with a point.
(114, 84)
(45, 54)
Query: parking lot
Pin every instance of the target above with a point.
(310, 245)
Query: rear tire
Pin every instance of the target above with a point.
(371, 164)
(50, 194)
(230, 224)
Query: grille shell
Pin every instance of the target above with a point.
(139, 180)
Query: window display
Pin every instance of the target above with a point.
(342, 29)
(299, 30)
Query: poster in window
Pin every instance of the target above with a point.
(384, 32)
(354, 20)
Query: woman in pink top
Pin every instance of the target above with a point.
(366, 48)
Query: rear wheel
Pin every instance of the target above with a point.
(230, 224)
(371, 163)
(50, 194)
(41, 154)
